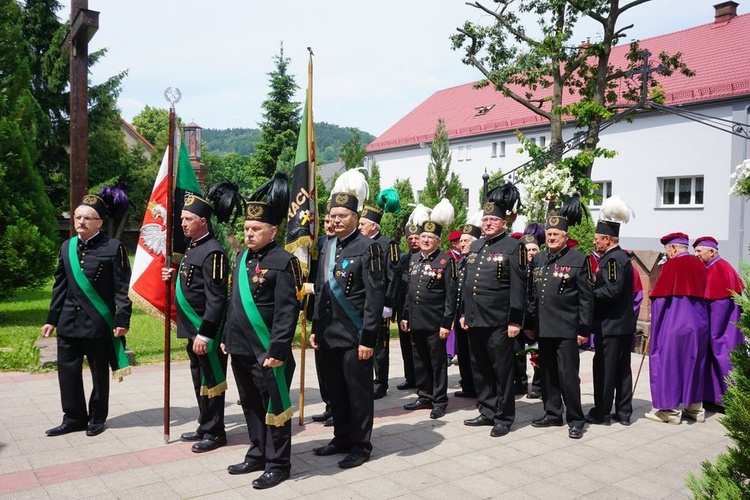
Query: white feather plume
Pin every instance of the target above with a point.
(419, 215)
(443, 213)
(475, 219)
(615, 209)
(353, 182)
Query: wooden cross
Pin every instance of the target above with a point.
(84, 24)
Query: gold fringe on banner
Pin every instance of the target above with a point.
(148, 308)
(214, 391)
(280, 419)
(119, 374)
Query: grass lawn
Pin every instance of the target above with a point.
(22, 317)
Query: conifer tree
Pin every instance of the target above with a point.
(353, 152)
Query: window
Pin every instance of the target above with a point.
(542, 141)
(602, 191)
(502, 148)
(494, 150)
(466, 197)
(468, 152)
(460, 153)
(676, 191)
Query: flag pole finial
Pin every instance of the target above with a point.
(172, 95)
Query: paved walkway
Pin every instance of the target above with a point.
(413, 456)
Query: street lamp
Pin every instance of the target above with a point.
(485, 179)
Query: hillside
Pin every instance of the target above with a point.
(242, 140)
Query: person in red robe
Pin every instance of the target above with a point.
(723, 314)
(679, 335)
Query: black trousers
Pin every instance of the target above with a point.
(464, 359)
(70, 353)
(430, 366)
(349, 382)
(613, 378)
(520, 378)
(319, 368)
(269, 444)
(559, 362)
(404, 339)
(382, 357)
(492, 362)
(210, 410)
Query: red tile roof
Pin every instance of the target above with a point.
(717, 52)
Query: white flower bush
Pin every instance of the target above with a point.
(540, 186)
(741, 179)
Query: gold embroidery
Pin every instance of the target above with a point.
(489, 207)
(342, 198)
(429, 226)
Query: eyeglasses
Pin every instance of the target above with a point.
(85, 218)
(339, 216)
(492, 220)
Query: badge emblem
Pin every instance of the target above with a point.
(342, 198)
(429, 226)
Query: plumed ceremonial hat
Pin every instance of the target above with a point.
(93, 201)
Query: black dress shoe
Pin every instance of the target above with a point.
(329, 449)
(322, 417)
(499, 430)
(328, 422)
(546, 421)
(575, 432)
(591, 419)
(406, 385)
(419, 404)
(353, 460)
(191, 436)
(479, 421)
(245, 467)
(378, 394)
(94, 429)
(619, 420)
(534, 394)
(209, 444)
(437, 412)
(65, 429)
(270, 479)
(465, 394)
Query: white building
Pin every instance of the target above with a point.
(673, 172)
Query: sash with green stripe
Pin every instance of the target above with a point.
(213, 378)
(98, 310)
(279, 409)
(338, 294)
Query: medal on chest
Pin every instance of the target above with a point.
(561, 272)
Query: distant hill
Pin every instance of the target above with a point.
(242, 140)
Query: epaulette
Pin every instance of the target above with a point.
(590, 271)
(612, 270)
(393, 250)
(296, 269)
(217, 267)
(454, 269)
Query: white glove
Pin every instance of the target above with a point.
(387, 312)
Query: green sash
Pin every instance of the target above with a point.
(279, 405)
(121, 359)
(216, 382)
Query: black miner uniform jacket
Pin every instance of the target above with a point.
(613, 314)
(562, 289)
(494, 288)
(105, 263)
(389, 249)
(275, 277)
(203, 277)
(358, 270)
(431, 296)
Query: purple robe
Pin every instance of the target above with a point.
(450, 345)
(723, 314)
(677, 354)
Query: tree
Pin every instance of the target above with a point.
(373, 181)
(281, 116)
(28, 240)
(441, 182)
(393, 224)
(353, 152)
(547, 66)
(153, 125)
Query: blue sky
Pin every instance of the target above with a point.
(374, 61)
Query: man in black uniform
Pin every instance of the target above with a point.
(411, 231)
(350, 295)
(493, 305)
(369, 225)
(614, 324)
(562, 301)
(201, 299)
(428, 315)
(470, 233)
(262, 317)
(91, 310)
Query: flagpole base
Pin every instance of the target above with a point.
(166, 438)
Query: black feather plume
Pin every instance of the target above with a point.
(537, 231)
(506, 196)
(574, 210)
(227, 201)
(275, 192)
